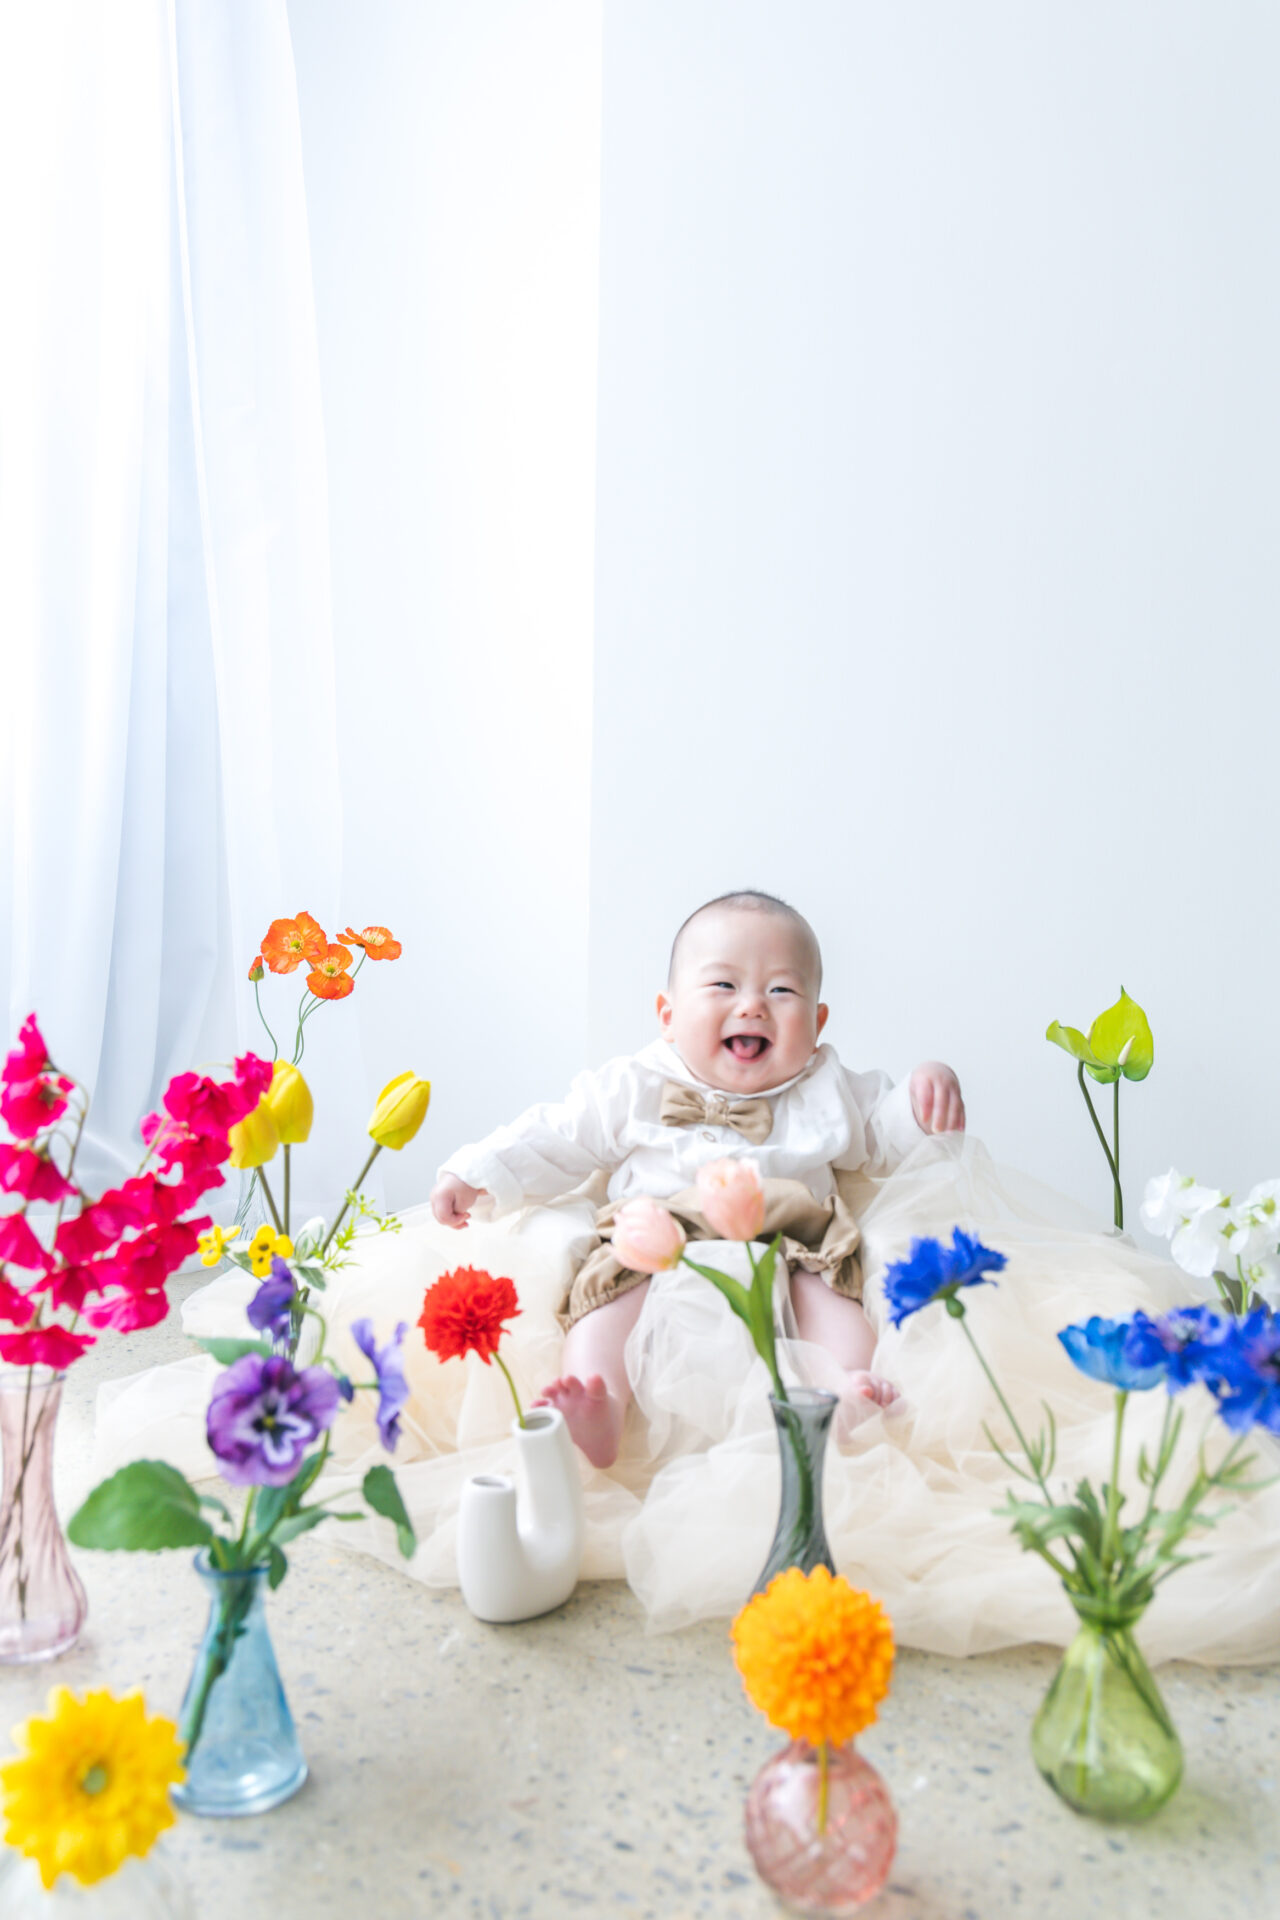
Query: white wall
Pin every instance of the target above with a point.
(936, 575)
(451, 155)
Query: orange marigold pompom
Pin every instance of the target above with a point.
(376, 941)
(815, 1655)
(331, 979)
(287, 943)
(464, 1313)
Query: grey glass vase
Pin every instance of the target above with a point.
(803, 1421)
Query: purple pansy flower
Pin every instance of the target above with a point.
(1099, 1349)
(934, 1272)
(388, 1364)
(263, 1415)
(270, 1308)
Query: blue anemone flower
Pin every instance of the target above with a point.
(1099, 1349)
(934, 1272)
(1195, 1345)
(1248, 1389)
(388, 1364)
(270, 1309)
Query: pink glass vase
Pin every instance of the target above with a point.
(42, 1603)
(835, 1871)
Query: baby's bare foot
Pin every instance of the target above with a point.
(593, 1418)
(861, 1394)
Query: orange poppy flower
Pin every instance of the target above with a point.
(330, 979)
(287, 943)
(376, 941)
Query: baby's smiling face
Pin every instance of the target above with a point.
(742, 1004)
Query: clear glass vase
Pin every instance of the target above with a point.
(827, 1859)
(1103, 1738)
(803, 1421)
(142, 1889)
(42, 1603)
(242, 1751)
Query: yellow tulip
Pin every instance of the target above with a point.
(288, 1099)
(401, 1110)
(254, 1139)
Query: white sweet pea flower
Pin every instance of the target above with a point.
(1201, 1245)
(1265, 1199)
(1172, 1199)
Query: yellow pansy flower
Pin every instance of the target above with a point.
(213, 1244)
(265, 1246)
(92, 1785)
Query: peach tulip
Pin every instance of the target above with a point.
(732, 1198)
(647, 1237)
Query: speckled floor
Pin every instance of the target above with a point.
(576, 1766)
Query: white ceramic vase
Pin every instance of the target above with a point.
(520, 1541)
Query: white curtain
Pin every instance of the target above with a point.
(168, 740)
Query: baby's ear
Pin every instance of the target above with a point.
(823, 1011)
(665, 1011)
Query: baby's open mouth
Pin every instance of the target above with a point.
(748, 1046)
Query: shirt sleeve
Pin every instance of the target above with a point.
(888, 1120)
(551, 1149)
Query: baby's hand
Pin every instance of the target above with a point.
(935, 1098)
(453, 1200)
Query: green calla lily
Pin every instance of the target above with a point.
(1117, 1046)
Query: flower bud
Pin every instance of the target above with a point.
(401, 1110)
(256, 969)
(288, 1100)
(732, 1199)
(647, 1237)
(254, 1139)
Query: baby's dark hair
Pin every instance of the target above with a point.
(751, 900)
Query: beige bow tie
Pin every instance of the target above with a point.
(684, 1106)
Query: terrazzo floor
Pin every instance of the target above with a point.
(577, 1766)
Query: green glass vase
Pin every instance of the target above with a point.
(1103, 1738)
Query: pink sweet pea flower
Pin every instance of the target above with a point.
(85, 1234)
(31, 1174)
(15, 1307)
(732, 1198)
(29, 1106)
(647, 1237)
(18, 1244)
(128, 1312)
(44, 1347)
(29, 1058)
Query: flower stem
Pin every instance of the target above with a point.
(1115, 1152)
(1008, 1410)
(262, 1175)
(275, 1050)
(342, 1212)
(514, 1395)
(822, 1786)
(287, 1171)
(1111, 1161)
(1111, 1529)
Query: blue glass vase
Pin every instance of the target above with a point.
(242, 1751)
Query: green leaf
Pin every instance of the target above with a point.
(383, 1495)
(270, 1506)
(1070, 1039)
(225, 1351)
(733, 1290)
(277, 1566)
(297, 1523)
(760, 1305)
(1123, 1029)
(146, 1506)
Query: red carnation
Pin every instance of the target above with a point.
(464, 1313)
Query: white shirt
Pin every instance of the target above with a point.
(608, 1121)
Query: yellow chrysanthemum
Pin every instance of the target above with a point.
(264, 1246)
(92, 1785)
(213, 1244)
(815, 1655)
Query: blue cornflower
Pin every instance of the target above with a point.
(1248, 1393)
(1099, 1348)
(1194, 1345)
(388, 1364)
(934, 1272)
(270, 1308)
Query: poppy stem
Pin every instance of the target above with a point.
(262, 1016)
(270, 1202)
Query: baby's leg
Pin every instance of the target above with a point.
(831, 1320)
(594, 1392)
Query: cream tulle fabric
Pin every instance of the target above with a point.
(687, 1514)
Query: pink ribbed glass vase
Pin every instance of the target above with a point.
(42, 1603)
(838, 1870)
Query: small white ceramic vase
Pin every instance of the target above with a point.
(520, 1541)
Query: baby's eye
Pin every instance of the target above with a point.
(723, 983)
(782, 989)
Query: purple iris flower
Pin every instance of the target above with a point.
(1192, 1344)
(1098, 1348)
(263, 1415)
(1249, 1395)
(270, 1308)
(388, 1364)
(934, 1272)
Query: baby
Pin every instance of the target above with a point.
(737, 1072)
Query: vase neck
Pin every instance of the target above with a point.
(29, 1404)
(1105, 1615)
